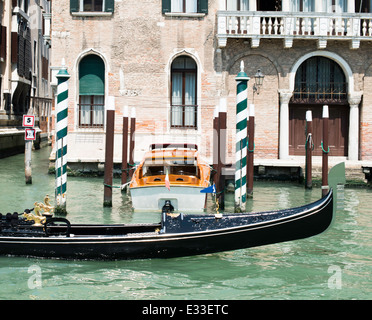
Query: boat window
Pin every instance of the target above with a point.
(184, 170)
(183, 162)
(153, 171)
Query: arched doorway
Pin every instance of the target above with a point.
(319, 81)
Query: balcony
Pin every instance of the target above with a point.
(352, 27)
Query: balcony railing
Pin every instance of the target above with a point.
(294, 25)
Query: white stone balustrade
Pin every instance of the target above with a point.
(256, 25)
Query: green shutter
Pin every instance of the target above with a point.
(203, 6)
(109, 5)
(91, 76)
(166, 6)
(74, 5)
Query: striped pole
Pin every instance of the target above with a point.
(241, 140)
(61, 139)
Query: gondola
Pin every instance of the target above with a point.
(176, 235)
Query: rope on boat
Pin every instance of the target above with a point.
(121, 186)
(129, 165)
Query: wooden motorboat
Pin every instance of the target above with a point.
(176, 235)
(170, 172)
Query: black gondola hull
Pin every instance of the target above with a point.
(182, 235)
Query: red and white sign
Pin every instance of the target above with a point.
(30, 134)
(28, 121)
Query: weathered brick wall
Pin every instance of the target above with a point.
(276, 63)
(138, 44)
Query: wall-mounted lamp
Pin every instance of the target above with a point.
(258, 80)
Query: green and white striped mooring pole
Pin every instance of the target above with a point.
(241, 140)
(61, 139)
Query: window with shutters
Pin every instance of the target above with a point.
(92, 7)
(185, 6)
(91, 92)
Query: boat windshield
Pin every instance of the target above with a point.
(149, 171)
(175, 165)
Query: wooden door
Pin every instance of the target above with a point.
(338, 129)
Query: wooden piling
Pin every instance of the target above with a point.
(309, 147)
(222, 126)
(28, 168)
(109, 152)
(250, 155)
(124, 155)
(216, 147)
(325, 149)
(132, 141)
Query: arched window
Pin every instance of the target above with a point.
(184, 95)
(91, 91)
(320, 80)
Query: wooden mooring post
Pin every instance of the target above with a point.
(222, 126)
(30, 135)
(28, 157)
(215, 145)
(132, 141)
(325, 149)
(124, 155)
(309, 147)
(109, 152)
(250, 155)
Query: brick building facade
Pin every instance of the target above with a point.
(173, 61)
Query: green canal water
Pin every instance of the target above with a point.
(334, 265)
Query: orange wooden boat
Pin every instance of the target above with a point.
(173, 172)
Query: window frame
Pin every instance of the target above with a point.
(93, 4)
(201, 11)
(77, 8)
(91, 105)
(184, 71)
